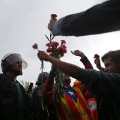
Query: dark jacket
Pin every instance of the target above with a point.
(10, 107)
(101, 18)
(47, 112)
(107, 86)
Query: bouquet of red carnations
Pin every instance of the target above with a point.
(57, 50)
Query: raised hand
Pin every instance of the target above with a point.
(78, 53)
(98, 62)
(52, 21)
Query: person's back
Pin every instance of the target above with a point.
(38, 111)
(41, 111)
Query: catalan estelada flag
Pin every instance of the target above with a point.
(73, 106)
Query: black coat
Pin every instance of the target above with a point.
(107, 87)
(10, 109)
(40, 113)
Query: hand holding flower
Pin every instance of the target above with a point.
(43, 56)
(96, 56)
(53, 16)
(52, 21)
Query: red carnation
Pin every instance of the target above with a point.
(62, 54)
(96, 56)
(48, 44)
(56, 44)
(63, 46)
(63, 49)
(63, 42)
(55, 50)
(53, 15)
(35, 46)
(52, 44)
(49, 50)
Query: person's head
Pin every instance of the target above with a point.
(42, 76)
(66, 79)
(111, 61)
(78, 84)
(13, 63)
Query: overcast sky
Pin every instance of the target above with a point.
(24, 22)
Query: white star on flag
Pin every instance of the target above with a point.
(71, 93)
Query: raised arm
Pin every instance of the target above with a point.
(75, 72)
(101, 18)
(98, 62)
(83, 59)
(48, 87)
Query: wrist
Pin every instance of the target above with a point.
(82, 56)
(52, 59)
(49, 58)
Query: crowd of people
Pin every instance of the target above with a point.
(95, 93)
(103, 84)
(93, 96)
